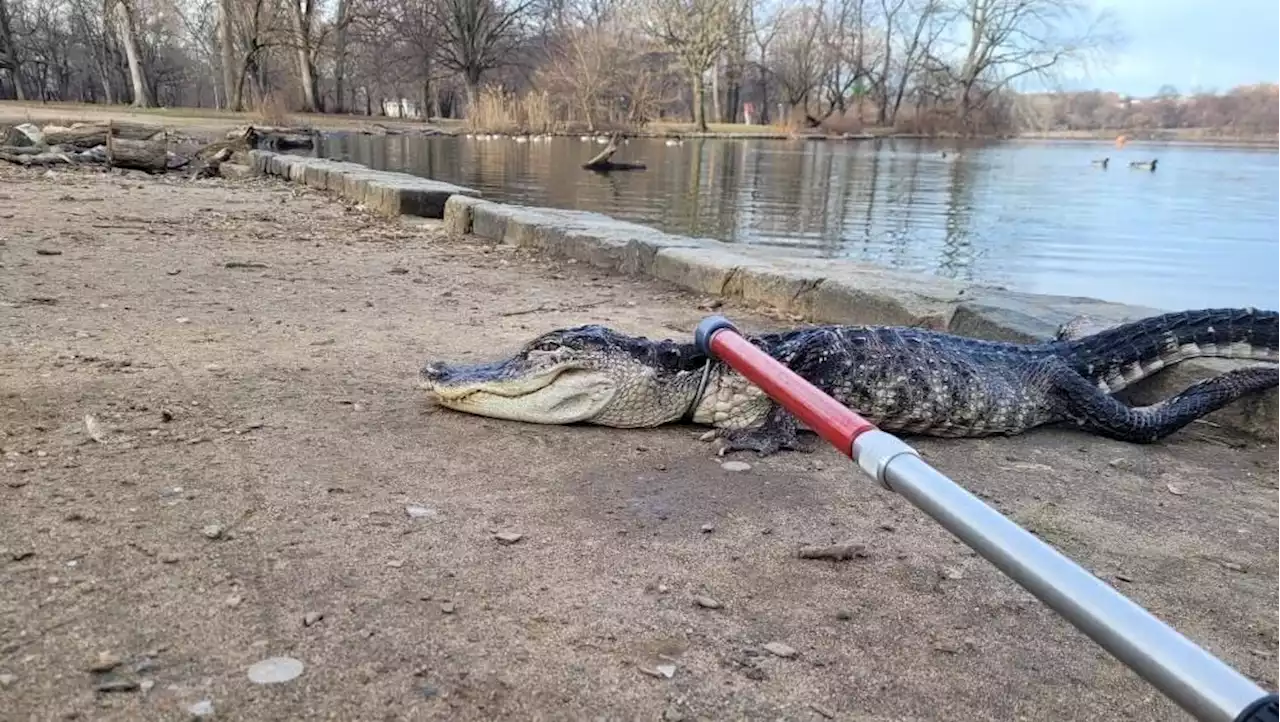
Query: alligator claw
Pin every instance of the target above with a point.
(766, 440)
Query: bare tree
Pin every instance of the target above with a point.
(798, 59)
(1009, 39)
(764, 26)
(302, 16)
(696, 31)
(122, 15)
(479, 36)
(227, 56)
(921, 27)
(9, 53)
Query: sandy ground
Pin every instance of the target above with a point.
(248, 353)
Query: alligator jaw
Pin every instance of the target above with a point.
(561, 395)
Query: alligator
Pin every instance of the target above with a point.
(906, 380)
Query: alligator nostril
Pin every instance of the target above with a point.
(434, 369)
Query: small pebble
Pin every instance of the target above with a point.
(658, 670)
(311, 618)
(447, 608)
(735, 466)
(274, 670)
(116, 685)
(183, 319)
(170, 558)
(844, 615)
(233, 601)
(146, 685)
(706, 602)
(105, 662)
(1233, 566)
(395, 563)
(822, 710)
(778, 649)
(7, 680)
(418, 512)
(707, 528)
(212, 531)
(203, 708)
(508, 537)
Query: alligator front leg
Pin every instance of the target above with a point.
(779, 431)
(1096, 411)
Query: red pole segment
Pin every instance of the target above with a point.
(827, 417)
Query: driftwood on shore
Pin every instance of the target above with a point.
(133, 146)
(29, 156)
(139, 146)
(602, 163)
(275, 137)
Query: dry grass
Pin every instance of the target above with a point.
(497, 111)
(273, 109)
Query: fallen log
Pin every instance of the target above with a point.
(37, 159)
(87, 135)
(150, 156)
(602, 163)
(24, 135)
(23, 150)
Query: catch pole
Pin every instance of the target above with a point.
(1197, 681)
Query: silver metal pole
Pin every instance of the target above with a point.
(1199, 682)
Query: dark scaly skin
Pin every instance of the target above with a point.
(914, 381)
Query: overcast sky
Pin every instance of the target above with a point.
(1211, 44)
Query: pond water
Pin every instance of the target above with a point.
(1200, 231)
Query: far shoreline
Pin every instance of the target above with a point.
(207, 120)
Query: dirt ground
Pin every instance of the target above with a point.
(248, 356)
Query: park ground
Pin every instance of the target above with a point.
(215, 453)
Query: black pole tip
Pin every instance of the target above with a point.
(1263, 709)
(707, 328)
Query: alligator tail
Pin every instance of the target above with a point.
(1123, 355)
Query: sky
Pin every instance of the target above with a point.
(1207, 44)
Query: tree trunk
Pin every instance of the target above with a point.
(717, 110)
(699, 103)
(129, 40)
(340, 59)
(9, 61)
(231, 85)
(302, 37)
(763, 82)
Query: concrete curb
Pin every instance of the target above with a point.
(819, 291)
(383, 192)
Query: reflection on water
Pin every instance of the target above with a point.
(1038, 217)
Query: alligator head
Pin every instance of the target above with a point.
(589, 374)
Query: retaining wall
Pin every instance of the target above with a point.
(819, 290)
